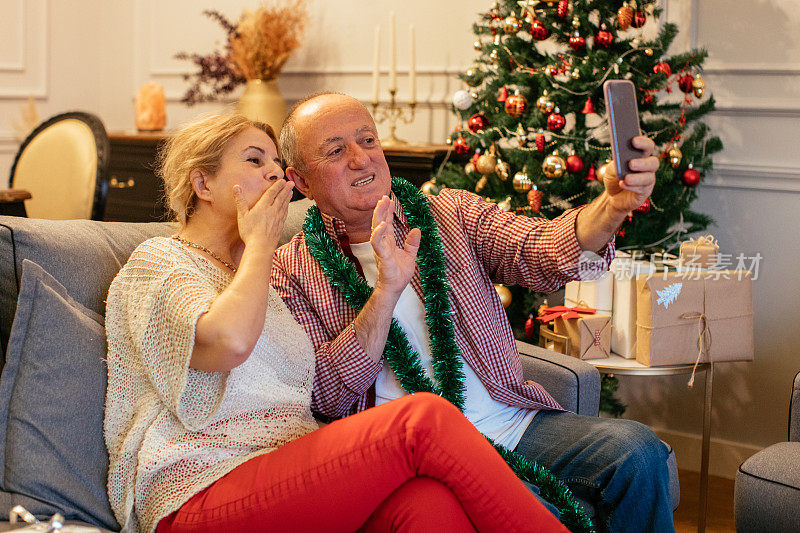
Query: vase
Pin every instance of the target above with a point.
(262, 101)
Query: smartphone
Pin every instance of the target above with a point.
(623, 121)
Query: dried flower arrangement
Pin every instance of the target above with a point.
(257, 47)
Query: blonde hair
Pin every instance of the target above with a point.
(198, 146)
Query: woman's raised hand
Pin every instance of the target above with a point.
(265, 219)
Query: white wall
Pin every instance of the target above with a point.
(93, 55)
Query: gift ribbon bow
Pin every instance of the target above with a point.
(703, 240)
(551, 313)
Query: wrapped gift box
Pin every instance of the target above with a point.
(701, 252)
(625, 269)
(685, 318)
(589, 334)
(597, 293)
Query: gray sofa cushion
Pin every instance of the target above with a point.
(83, 255)
(52, 393)
(767, 493)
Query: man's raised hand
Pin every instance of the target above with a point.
(396, 266)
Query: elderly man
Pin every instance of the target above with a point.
(366, 233)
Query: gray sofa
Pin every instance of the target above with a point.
(767, 489)
(54, 277)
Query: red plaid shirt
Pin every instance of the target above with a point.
(482, 246)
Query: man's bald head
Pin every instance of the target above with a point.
(290, 141)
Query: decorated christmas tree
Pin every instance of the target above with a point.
(532, 118)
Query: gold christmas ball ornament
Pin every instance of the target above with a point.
(576, 74)
(544, 104)
(576, 22)
(473, 77)
(430, 187)
(674, 155)
(648, 51)
(602, 172)
(511, 25)
(486, 164)
(522, 182)
(469, 168)
(504, 294)
(699, 86)
(493, 56)
(481, 184)
(502, 169)
(553, 166)
(624, 17)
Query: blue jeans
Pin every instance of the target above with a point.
(620, 466)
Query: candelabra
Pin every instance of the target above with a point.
(392, 114)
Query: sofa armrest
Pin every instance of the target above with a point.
(794, 411)
(575, 384)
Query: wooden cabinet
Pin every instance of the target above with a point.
(135, 194)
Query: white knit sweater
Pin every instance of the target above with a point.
(172, 431)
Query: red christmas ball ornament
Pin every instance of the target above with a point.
(556, 121)
(645, 207)
(539, 31)
(592, 175)
(461, 146)
(516, 105)
(477, 122)
(577, 43)
(530, 326)
(663, 68)
(604, 38)
(685, 83)
(690, 177)
(535, 199)
(563, 8)
(639, 18)
(540, 142)
(574, 164)
(502, 96)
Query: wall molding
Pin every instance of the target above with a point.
(751, 69)
(38, 88)
(753, 177)
(724, 458)
(758, 107)
(19, 65)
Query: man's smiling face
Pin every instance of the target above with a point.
(346, 171)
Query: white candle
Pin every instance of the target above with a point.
(412, 73)
(376, 72)
(393, 51)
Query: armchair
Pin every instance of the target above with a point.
(767, 489)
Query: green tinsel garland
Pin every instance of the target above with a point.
(446, 356)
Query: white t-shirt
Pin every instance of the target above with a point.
(501, 422)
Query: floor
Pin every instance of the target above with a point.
(719, 517)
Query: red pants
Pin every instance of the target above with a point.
(413, 464)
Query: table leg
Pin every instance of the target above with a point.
(701, 524)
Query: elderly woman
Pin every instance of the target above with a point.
(209, 383)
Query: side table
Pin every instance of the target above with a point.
(12, 202)
(630, 367)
